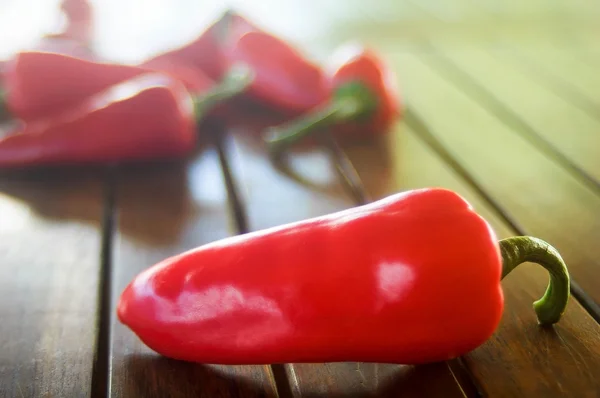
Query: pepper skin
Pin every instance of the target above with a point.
(149, 116)
(195, 81)
(412, 278)
(39, 84)
(284, 79)
(365, 100)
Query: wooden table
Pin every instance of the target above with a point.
(503, 106)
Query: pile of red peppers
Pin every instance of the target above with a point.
(70, 109)
(411, 278)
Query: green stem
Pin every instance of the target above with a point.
(520, 249)
(236, 80)
(351, 101)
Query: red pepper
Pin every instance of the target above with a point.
(149, 116)
(195, 80)
(365, 100)
(79, 18)
(412, 278)
(40, 84)
(283, 78)
(204, 52)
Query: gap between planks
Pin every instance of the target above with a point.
(278, 371)
(445, 66)
(101, 366)
(557, 83)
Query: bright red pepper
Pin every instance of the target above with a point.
(365, 100)
(38, 84)
(412, 278)
(149, 116)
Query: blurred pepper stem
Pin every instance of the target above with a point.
(351, 101)
(237, 79)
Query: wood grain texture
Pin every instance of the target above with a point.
(547, 201)
(525, 104)
(565, 70)
(163, 210)
(308, 187)
(50, 235)
(521, 359)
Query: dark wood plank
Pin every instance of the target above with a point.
(546, 199)
(273, 197)
(165, 209)
(50, 239)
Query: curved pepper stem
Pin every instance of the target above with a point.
(520, 249)
(351, 101)
(236, 81)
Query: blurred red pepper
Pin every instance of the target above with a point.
(38, 84)
(79, 18)
(412, 278)
(195, 80)
(365, 100)
(76, 31)
(204, 52)
(284, 78)
(148, 116)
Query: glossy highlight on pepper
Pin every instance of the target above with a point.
(411, 278)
